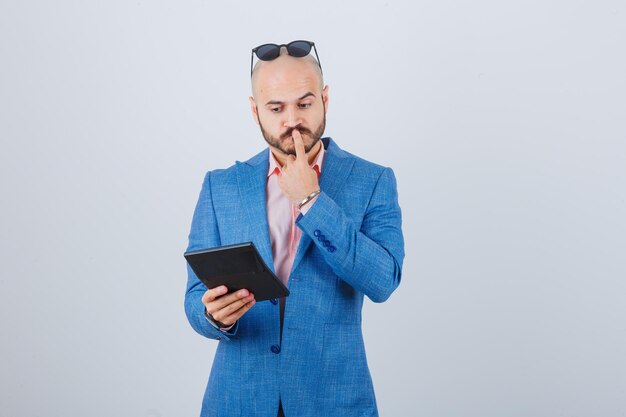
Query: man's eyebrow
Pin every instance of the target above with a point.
(307, 95)
(278, 102)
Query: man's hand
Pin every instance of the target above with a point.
(298, 179)
(228, 308)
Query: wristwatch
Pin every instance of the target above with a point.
(217, 324)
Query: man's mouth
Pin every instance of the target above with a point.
(289, 133)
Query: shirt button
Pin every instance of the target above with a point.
(274, 301)
(317, 233)
(275, 349)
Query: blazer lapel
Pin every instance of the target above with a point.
(252, 181)
(335, 170)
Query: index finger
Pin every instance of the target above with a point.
(298, 144)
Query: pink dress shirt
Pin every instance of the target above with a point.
(281, 217)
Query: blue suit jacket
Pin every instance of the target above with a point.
(319, 368)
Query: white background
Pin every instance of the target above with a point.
(504, 122)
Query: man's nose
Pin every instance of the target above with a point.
(292, 118)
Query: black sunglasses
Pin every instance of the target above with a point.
(271, 51)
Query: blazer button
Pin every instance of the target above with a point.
(321, 238)
(275, 349)
(274, 301)
(317, 233)
(326, 243)
(331, 249)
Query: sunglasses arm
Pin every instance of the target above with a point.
(318, 59)
(251, 62)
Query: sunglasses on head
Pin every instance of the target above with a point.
(271, 51)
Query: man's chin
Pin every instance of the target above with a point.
(280, 148)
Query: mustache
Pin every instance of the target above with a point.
(303, 130)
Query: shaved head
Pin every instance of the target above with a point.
(284, 66)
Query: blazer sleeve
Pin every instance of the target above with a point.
(368, 258)
(204, 234)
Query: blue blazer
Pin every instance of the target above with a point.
(351, 246)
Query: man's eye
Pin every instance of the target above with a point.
(304, 105)
(275, 109)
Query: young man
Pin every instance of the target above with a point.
(329, 225)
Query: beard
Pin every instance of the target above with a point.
(284, 142)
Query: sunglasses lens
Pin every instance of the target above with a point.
(267, 52)
(299, 49)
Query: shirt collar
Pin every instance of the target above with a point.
(316, 165)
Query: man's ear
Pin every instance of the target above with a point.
(255, 112)
(325, 98)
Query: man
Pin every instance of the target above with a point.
(329, 225)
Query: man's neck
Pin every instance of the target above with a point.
(311, 155)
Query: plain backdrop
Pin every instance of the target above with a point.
(504, 122)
